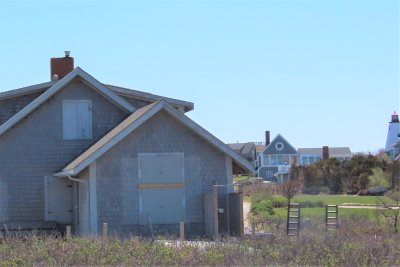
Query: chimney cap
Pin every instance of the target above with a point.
(67, 52)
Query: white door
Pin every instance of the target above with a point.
(58, 200)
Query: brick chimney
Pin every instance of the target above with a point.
(267, 138)
(61, 66)
(325, 152)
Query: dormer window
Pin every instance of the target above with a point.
(77, 119)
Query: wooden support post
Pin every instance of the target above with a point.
(68, 232)
(105, 230)
(182, 231)
(215, 200)
(253, 229)
(236, 214)
(211, 213)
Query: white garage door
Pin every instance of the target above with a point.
(162, 188)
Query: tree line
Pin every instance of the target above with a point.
(352, 176)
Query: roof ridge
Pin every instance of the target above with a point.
(94, 84)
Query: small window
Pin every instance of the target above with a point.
(286, 160)
(77, 119)
(293, 160)
(279, 160)
(304, 160)
(273, 159)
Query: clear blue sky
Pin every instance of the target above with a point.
(318, 72)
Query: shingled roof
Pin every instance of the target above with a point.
(332, 151)
(77, 72)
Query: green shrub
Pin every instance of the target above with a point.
(262, 208)
(259, 196)
(279, 201)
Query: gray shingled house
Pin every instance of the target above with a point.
(75, 151)
(247, 150)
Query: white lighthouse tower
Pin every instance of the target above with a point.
(394, 132)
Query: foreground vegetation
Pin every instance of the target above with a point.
(363, 238)
(349, 248)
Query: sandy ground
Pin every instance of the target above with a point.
(246, 212)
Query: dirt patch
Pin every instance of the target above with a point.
(246, 213)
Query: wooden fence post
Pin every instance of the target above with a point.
(236, 214)
(68, 232)
(211, 213)
(215, 203)
(105, 230)
(182, 231)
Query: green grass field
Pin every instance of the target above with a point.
(319, 213)
(339, 199)
(240, 178)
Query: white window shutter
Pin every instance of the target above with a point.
(69, 120)
(84, 121)
(77, 119)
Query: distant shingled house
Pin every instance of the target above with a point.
(307, 156)
(247, 150)
(79, 152)
(276, 159)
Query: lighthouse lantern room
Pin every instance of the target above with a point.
(394, 132)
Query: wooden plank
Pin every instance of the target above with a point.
(181, 231)
(215, 211)
(211, 213)
(236, 214)
(208, 214)
(105, 230)
(142, 186)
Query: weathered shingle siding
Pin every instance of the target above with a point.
(268, 173)
(117, 173)
(10, 106)
(35, 148)
(287, 149)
